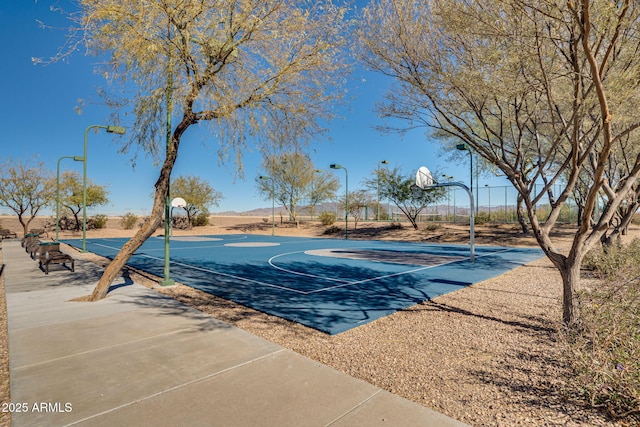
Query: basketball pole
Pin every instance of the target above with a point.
(434, 184)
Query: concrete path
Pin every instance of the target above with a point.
(138, 358)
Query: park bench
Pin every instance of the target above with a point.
(28, 238)
(7, 234)
(40, 232)
(32, 247)
(55, 257)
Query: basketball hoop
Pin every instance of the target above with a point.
(178, 202)
(424, 179)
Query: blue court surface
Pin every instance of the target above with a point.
(327, 284)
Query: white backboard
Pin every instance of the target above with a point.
(178, 202)
(424, 178)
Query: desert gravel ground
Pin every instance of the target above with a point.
(487, 355)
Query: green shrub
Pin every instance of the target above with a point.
(98, 221)
(66, 223)
(327, 218)
(604, 349)
(200, 220)
(332, 230)
(180, 222)
(129, 220)
(481, 218)
(432, 227)
(608, 260)
(395, 226)
(384, 216)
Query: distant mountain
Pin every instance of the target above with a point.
(253, 212)
(278, 210)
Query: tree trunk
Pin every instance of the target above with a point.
(570, 273)
(520, 214)
(151, 224)
(25, 225)
(75, 216)
(129, 248)
(579, 220)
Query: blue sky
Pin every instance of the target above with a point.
(39, 122)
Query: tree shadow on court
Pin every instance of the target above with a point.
(329, 295)
(334, 307)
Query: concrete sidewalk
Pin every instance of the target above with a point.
(138, 358)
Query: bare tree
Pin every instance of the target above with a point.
(259, 71)
(26, 189)
(545, 90)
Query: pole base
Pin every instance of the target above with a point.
(167, 282)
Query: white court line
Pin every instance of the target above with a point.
(347, 282)
(297, 273)
(173, 248)
(358, 282)
(219, 244)
(194, 267)
(373, 279)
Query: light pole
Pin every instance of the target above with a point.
(77, 159)
(119, 130)
(489, 197)
(505, 204)
(346, 198)
(273, 203)
(382, 162)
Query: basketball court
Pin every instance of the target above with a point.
(327, 284)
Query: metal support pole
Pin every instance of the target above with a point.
(471, 213)
(110, 129)
(383, 162)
